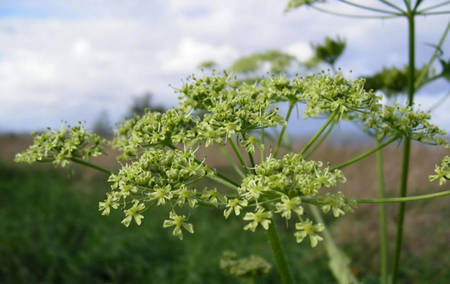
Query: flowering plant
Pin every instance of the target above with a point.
(160, 164)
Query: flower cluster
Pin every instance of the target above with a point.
(227, 107)
(278, 186)
(397, 121)
(323, 94)
(338, 203)
(160, 176)
(246, 267)
(442, 171)
(221, 109)
(291, 176)
(60, 146)
(153, 129)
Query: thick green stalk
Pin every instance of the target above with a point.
(90, 165)
(406, 151)
(278, 254)
(364, 155)
(382, 219)
(283, 130)
(318, 133)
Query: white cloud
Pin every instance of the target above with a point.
(81, 47)
(85, 55)
(190, 53)
(300, 49)
(439, 104)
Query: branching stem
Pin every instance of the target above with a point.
(369, 8)
(318, 133)
(406, 199)
(238, 155)
(362, 156)
(90, 165)
(283, 130)
(322, 139)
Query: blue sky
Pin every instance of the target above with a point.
(68, 60)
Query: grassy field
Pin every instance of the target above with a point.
(51, 231)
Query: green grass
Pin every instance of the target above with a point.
(51, 232)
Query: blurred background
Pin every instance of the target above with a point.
(102, 61)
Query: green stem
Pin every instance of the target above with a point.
(230, 160)
(402, 200)
(252, 161)
(322, 139)
(368, 8)
(218, 177)
(262, 149)
(401, 209)
(406, 151)
(90, 165)
(278, 254)
(434, 13)
(362, 156)
(392, 5)
(316, 201)
(418, 2)
(351, 15)
(418, 83)
(407, 4)
(382, 219)
(434, 6)
(438, 103)
(238, 155)
(339, 263)
(318, 133)
(283, 130)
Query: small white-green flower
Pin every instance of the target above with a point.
(306, 228)
(110, 201)
(179, 222)
(185, 195)
(259, 217)
(133, 213)
(442, 171)
(287, 205)
(234, 205)
(212, 196)
(161, 194)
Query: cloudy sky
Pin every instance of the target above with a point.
(71, 59)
